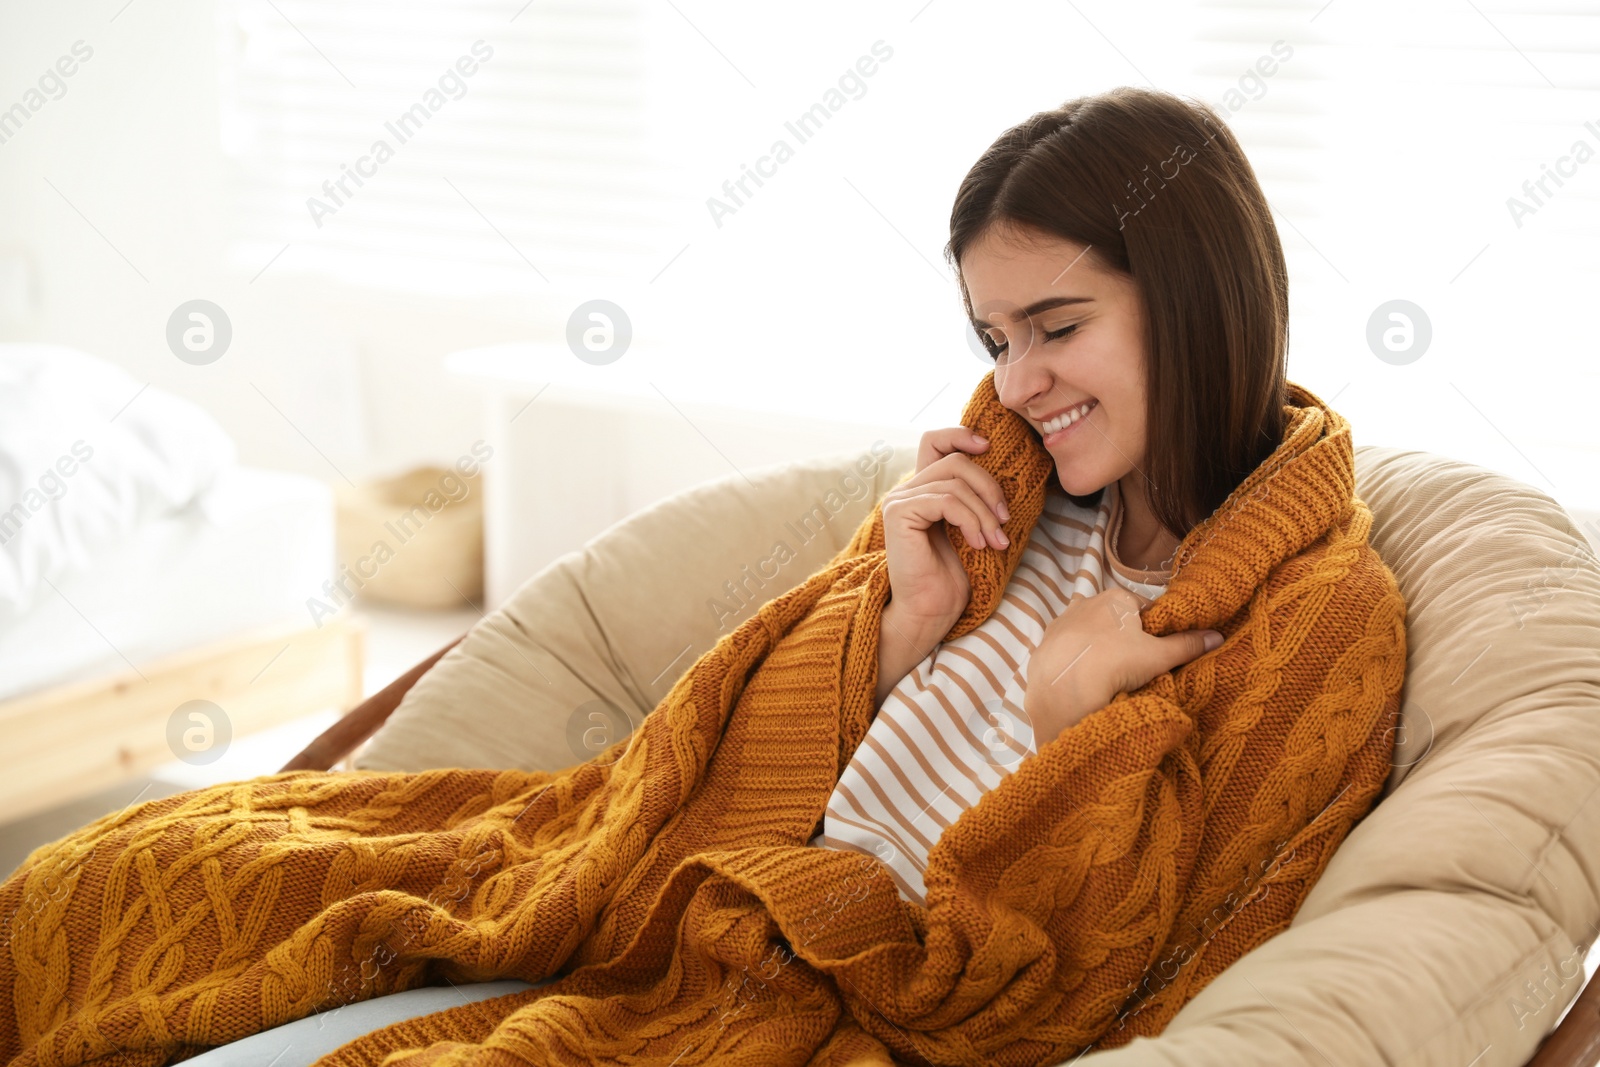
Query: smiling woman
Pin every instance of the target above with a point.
(1143, 351)
(1178, 312)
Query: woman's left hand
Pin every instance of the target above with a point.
(1095, 649)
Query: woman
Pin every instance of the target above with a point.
(1145, 346)
(1171, 812)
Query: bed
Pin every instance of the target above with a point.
(145, 568)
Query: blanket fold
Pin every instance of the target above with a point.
(666, 885)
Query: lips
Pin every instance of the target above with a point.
(1061, 434)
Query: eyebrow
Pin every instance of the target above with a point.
(1038, 306)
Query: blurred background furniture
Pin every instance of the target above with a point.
(142, 568)
(1450, 928)
(553, 426)
(435, 514)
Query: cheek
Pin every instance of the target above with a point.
(1118, 384)
(1129, 431)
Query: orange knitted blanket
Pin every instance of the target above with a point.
(666, 884)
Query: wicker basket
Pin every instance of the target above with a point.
(415, 539)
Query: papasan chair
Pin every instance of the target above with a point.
(1449, 929)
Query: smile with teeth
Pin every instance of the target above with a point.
(1069, 418)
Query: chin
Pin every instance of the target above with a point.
(1078, 485)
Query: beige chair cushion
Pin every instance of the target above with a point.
(589, 645)
(1448, 929)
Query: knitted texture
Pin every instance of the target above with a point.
(666, 884)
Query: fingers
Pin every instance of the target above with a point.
(943, 455)
(1188, 646)
(1155, 656)
(936, 444)
(954, 502)
(982, 509)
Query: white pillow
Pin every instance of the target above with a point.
(87, 454)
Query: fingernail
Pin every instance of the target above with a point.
(978, 437)
(1004, 540)
(1212, 639)
(1003, 512)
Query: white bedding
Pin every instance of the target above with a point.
(88, 454)
(248, 552)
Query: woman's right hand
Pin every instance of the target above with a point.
(927, 583)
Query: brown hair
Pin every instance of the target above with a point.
(1160, 191)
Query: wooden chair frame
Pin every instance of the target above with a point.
(1573, 1043)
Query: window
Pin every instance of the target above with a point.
(380, 142)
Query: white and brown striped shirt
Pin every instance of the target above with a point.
(954, 727)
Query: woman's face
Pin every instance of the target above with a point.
(1069, 333)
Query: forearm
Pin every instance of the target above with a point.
(902, 644)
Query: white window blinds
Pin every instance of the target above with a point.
(379, 141)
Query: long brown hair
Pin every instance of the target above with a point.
(1159, 190)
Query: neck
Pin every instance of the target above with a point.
(1144, 543)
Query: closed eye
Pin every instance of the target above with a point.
(996, 350)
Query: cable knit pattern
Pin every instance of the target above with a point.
(955, 724)
(666, 883)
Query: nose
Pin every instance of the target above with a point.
(1018, 379)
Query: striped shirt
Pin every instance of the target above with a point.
(954, 727)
